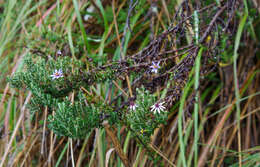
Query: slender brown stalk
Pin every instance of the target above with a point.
(116, 144)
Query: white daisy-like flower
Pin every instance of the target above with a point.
(59, 52)
(132, 106)
(155, 67)
(157, 107)
(57, 74)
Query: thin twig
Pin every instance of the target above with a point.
(116, 144)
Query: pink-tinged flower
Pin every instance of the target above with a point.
(155, 67)
(132, 106)
(57, 74)
(157, 107)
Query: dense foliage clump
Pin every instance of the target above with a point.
(61, 82)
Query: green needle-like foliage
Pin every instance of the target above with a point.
(142, 121)
(78, 116)
(73, 118)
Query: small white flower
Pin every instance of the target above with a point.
(157, 107)
(57, 74)
(59, 52)
(154, 9)
(155, 67)
(132, 106)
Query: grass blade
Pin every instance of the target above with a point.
(82, 29)
(236, 84)
(196, 105)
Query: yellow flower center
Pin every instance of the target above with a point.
(155, 66)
